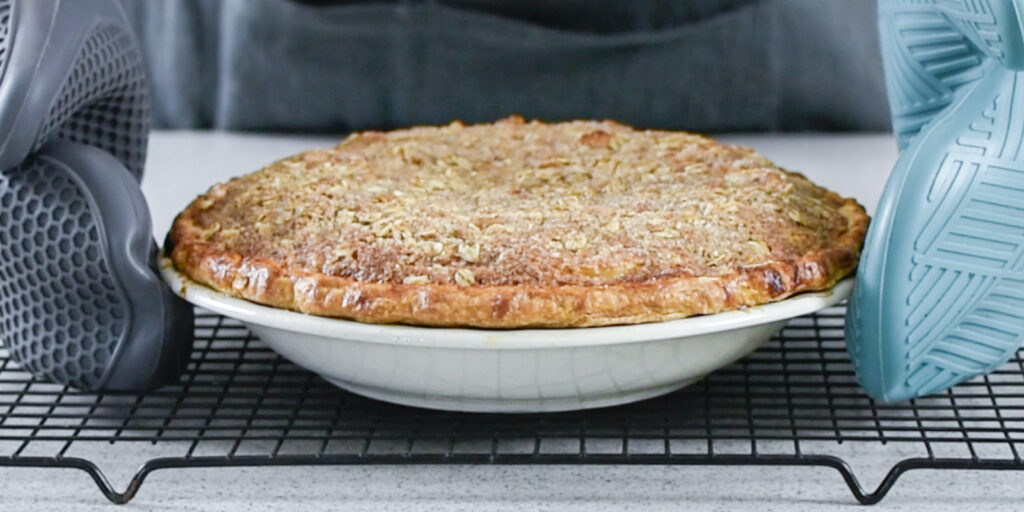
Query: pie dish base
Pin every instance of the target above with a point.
(511, 405)
(524, 370)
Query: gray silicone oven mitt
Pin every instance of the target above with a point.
(80, 300)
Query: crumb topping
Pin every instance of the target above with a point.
(521, 203)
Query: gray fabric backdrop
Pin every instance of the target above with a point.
(705, 65)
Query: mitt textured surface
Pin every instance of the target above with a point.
(517, 224)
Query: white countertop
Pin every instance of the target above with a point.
(183, 164)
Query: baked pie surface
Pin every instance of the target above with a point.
(518, 224)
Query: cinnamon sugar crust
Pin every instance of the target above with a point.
(519, 224)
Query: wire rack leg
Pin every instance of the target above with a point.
(865, 498)
(167, 463)
(925, 463)
(76, 463)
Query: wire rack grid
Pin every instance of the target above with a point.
(794, 402)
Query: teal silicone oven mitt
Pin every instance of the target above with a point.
(940, 288)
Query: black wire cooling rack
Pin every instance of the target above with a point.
(794, 402)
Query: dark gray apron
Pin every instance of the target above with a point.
(705, 65)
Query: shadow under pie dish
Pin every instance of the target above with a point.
(518, 225)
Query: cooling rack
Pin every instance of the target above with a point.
(794, 402)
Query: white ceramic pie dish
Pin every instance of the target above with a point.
(524, 370)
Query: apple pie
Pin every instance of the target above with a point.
(518, 224)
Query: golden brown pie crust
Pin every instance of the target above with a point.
(519, 224)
